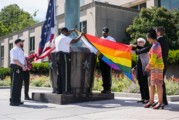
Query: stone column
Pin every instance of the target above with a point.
(6, 52)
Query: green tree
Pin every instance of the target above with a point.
(15, 18)
(154, 17)
(3, 29)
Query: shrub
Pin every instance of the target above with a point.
(4, 72)
(40, 68)
(36, 83)
(172, 87)
(133, 88)
(173, 57)
(46, 84)
(154, 17)
(134, 60)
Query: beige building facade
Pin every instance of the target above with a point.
(94, 15)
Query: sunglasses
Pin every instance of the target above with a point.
(140, 42)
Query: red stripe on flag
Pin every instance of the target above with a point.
(108, 44)
(52, 36)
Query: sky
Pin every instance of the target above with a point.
(29, 6)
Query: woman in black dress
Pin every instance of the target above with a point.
(141, 74)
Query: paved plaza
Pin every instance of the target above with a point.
(119, 108)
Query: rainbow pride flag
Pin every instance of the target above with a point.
(116, 55)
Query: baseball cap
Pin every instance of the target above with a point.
(105, 30)
(18, 40)
(65, 29)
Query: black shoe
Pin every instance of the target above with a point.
(160, 106)
(165, 103)
(14, 104)
(21, 103)
(106, 91)
(58, 92)
(145, 101)
(28, 98)
(141, 101)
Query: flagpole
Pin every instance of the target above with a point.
(55, 19)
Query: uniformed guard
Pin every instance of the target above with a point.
(18, 66)
(62, 43)
(29, 60)
(105, 68)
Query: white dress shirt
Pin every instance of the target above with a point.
(159, 37)
(62, 43)
(109, 38)
(17, 54)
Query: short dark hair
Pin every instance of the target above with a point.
(151, 33)
(161, 30)
(64, 29)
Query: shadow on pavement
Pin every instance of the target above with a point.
(36, 106)
(117, 103)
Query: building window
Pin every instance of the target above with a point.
(139, 7)
(56, 10)
(32, 45)
(2, 56)
(10, 47)
(83, 26)
(169, 4)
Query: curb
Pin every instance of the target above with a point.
(116, 94)
(137, 95)
(37, 88)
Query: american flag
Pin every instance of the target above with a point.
(48, 32)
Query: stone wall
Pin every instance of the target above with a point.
(116, 18)
(172, 70)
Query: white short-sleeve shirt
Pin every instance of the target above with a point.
(18, 54)
(62, 43)
(109, 38)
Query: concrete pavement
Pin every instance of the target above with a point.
(119, 108)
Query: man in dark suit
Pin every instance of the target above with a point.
(165, 48)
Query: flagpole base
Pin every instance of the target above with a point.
(63, 99)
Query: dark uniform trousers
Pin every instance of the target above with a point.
(26, 83)
(17, 76)
(144, 89)
(106, 75)
(61, 71)
(164, 88)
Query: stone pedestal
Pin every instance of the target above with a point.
(80, 78)
(71, 98)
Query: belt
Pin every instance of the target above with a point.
(61, 52)
(15, 66)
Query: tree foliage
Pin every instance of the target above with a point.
(14, 18)
(154, 17)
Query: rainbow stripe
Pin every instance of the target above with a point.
(116, 55)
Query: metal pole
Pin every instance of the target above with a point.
(72, 14)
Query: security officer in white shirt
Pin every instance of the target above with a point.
(105, 68)
(62, 43)
(18, 66)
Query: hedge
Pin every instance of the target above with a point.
(43, 68)
(4, 72)
(40, 68)
(173, 58)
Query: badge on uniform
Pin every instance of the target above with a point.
(18, 71)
